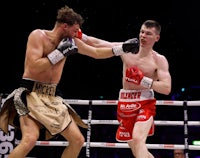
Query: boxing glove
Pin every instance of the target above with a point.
(131, 45)
(81, 35)
(65, 48)
(136, 76)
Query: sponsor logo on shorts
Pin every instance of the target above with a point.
(124, 134)
(141, 117)
(129, 107)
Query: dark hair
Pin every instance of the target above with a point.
(69, 16)
(153, 23)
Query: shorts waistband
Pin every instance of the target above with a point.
(39, 87)
(135, 95)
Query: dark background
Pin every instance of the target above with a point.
(87, 78)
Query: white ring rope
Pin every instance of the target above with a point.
(114, 102)
(115, 122)
(157, 122)
(114, 145)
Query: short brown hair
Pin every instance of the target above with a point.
(69, 16)
(153, 23)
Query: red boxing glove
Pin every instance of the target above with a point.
(136, 76)
(81, 35)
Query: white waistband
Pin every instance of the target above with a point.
(136, 95)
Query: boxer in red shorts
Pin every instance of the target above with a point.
(143, 73)
(134, 106)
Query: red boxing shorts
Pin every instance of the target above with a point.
(134, 106)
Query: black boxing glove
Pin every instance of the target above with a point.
(131, 45)
(65, 48)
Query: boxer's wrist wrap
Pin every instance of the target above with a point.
(84, 37)
(55, 56)
(118, 50)
(146, 82)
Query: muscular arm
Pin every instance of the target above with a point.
(96, 42)
(94, 52)
(109, 50)
(163, 84)
(35, 60)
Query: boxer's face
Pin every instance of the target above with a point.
(70, 31)
(178, 153)
(148, 36)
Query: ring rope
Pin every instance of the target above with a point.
(157, 122)
(115, 145)
(114, 102)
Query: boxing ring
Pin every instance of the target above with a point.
(92, 122)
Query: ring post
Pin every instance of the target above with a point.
(186, 129)
(89, 129)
